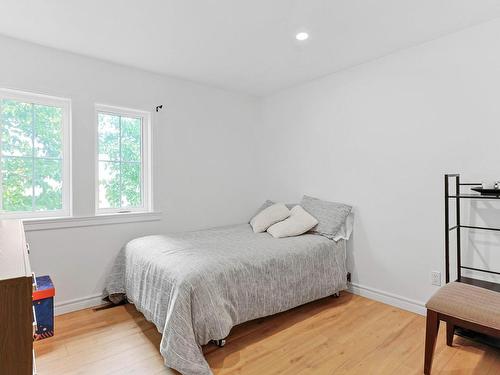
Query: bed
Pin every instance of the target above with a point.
(195, 286)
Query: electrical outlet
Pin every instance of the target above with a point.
(436, 278)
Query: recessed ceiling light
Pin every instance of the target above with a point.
(302, 36)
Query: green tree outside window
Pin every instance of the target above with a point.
(30, 156)
(119, 147)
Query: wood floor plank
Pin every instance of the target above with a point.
(346, 335)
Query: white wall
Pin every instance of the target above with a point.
(380, 136)
(203, 157)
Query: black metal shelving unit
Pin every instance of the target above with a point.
(457, 196)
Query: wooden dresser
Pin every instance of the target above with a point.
(16, 308)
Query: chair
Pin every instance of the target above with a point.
(462, 305)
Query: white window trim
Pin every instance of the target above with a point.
(31, 225)
(146, 175)
(65, 104)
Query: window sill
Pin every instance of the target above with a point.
(31, 225)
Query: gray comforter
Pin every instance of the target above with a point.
(196, 286)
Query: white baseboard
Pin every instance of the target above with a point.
(371, 293)
(388, 298)
(78, 304)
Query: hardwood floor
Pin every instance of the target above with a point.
(346, 335)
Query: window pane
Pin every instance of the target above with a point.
(109, 137)
(17, 129)
(48, 185)
(131, 185)
(109, 184)
(131, 139)
(48, 131)
(120, 158)
(17, 184)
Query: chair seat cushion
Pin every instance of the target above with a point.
(468, 302)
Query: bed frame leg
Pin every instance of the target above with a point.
(219, 343)
(336, 295)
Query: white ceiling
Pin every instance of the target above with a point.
(243, 45)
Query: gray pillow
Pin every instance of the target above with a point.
(330, 215)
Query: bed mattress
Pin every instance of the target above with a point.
(195, 286)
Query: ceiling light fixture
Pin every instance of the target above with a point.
(302, 36)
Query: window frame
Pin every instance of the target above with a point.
(146, 184)
(66, 157)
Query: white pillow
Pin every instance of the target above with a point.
(267, 217)
(300, 221)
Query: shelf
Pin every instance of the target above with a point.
(474, 196)
(448, 228)
(480, 283)
(475, 227)
(480, 270)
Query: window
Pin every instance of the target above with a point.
(123, 172)
(34, 155)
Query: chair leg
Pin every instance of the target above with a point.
(450, 332)
(431, 332)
